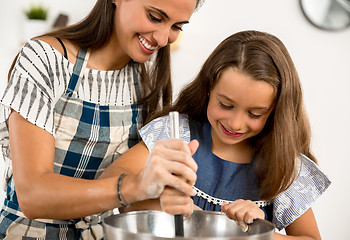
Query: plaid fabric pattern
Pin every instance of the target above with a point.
(88, 138)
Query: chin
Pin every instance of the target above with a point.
(141, 59)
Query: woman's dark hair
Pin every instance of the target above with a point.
(95, 30)
(287, 132)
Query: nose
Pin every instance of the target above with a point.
(165, 36)
(236, 121)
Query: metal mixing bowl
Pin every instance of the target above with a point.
(154, 225)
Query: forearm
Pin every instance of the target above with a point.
(131, 162)
(56, 196)
(152, 204)
(60, 197)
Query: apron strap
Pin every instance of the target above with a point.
(135, 84)
(78, 72)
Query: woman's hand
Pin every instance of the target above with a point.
(169, 164)
(174, 202)
(243, 212)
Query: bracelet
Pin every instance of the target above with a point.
(124, 204)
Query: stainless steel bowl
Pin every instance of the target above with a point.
(154, 225)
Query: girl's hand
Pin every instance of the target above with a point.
(243, 212)
(169, 164)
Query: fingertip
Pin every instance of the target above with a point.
(193, 145)
(250, 221)
(223, 206)
(193, 192)
(195, 142)
(243, 226)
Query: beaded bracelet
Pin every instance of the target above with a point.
(124, 204)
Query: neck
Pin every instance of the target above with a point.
(109, 57)
(239, 153)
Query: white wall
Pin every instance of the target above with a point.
(322, 59)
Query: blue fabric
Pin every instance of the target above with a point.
(220, 181)
(220, 178)
(89, 137)
(76, 72)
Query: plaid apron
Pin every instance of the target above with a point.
(88, 138)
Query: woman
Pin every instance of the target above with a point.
(73, 104)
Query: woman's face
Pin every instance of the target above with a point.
(238, 107)
(144, 26)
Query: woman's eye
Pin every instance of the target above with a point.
(177, 28)
(154, 18)
(225, 106)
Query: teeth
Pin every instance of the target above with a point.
(228, 130)
(146, 45)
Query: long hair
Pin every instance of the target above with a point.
(95, 30)
(286, 133)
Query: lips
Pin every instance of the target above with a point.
(146, 44)
(229, 133)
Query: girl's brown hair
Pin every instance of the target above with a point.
(95, 30)
(286, 134)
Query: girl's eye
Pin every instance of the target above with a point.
(154, 18)
(225, 106)
(252, 115)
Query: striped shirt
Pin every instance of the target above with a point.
(41, 76)
(93, 116)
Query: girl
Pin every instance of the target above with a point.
(73, 104)
(246, 111)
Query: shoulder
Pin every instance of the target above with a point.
(159, 129)
(38, 58)
(310, 183)
(310, 175)
(37, 53)
(38, 45)
(72, 49)
(40, 67)
(53, 42)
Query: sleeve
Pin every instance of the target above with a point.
(30, 90)
(298, 198)
(159, 129)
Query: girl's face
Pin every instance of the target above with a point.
(144, 26)
(238, 107)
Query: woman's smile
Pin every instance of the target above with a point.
(148, 46)
(142, 27)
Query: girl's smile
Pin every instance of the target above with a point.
(238, 108)
(230, 133)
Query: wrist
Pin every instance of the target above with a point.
(119, 191)
(127, 193)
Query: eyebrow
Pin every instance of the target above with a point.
(166, 15)
(255, 108)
